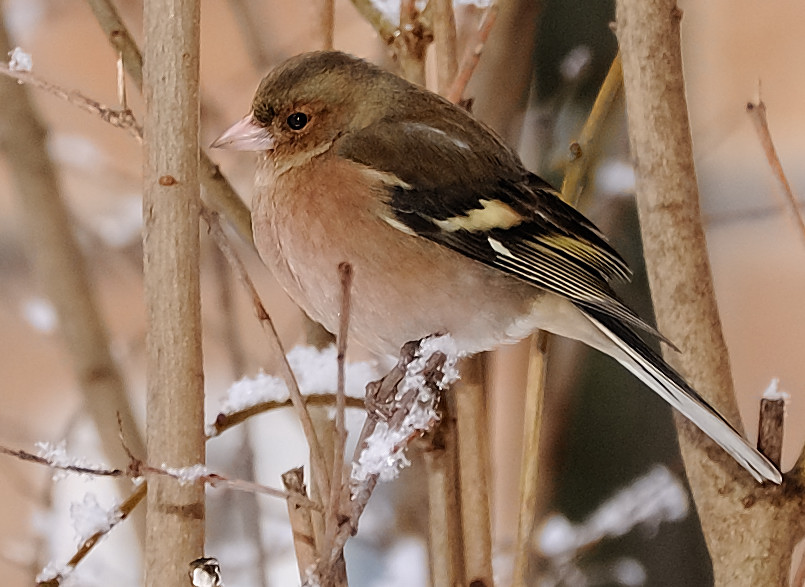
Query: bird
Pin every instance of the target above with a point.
(444, 227)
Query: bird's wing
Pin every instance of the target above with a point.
(469, 193)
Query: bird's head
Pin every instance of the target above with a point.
(306, 103)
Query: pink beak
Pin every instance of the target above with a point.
(245, 135)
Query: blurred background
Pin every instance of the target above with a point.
(535, 84)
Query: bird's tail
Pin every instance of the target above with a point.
(652, 370)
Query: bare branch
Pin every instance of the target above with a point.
(444, 41)
(123, 119)
(304, 541)
(473, 55)
(770, 429)
(317, 456)
(529, 480)
(374, 17)
(682, 290)
(55, 464)
(327, 24)
(472, 425)
(337, 480)
(224, 422)
(171, 279)
(583, 149)
(757, 112)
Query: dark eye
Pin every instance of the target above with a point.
(297, 120)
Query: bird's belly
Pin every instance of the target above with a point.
(404, 287)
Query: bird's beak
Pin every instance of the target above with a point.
(245, 135)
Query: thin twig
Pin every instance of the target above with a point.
(298, 401)
(473, 55)
(217, 480)
(224, 422)
(86, 547)
(123, 119)
(582, 150)
(107, 16)
(757, 112)
(53, 464)
(337, 481)
(385, 28)
(121, 84)
(529, 479)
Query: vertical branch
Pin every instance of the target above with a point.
(668, 197)
(749, 531)
(771, 422)
(411, 43)
(175, 401)
(446, 540)
(529, 480)
(472, 56)
(304, 542)
(339, 445)
(444, 42)
(474, 470)
(327, 24)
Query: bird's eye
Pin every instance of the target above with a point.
(297, 120)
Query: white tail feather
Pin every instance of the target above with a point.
(695, 410)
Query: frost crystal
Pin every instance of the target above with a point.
(773, 391)
(20, 60)
(316, 372)
(384, 454)
(51, 571)
(187, 475)
(56, 455)
(90, 518)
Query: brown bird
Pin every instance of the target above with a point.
(444, 227)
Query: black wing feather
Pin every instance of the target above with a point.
(442, 177)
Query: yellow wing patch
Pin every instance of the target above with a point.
(492, 214)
